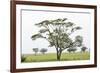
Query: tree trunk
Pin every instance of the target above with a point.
(59, 55)
(35, 53)
(43, 53)
(58, 58)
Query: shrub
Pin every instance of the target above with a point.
(23, 58)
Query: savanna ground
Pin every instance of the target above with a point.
(52, 57)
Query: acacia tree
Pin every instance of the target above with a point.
(57, 32)
(35, 50)
(43, 50)
(83, 49)
(72, 49)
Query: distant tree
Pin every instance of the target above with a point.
(71, 49)
(35, 50)
(83, 49)
(43, 50)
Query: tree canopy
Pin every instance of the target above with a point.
(43, 50)
(83, 49)
(35, 50)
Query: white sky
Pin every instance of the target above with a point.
(29, 18)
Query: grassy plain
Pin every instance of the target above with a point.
(52, 57)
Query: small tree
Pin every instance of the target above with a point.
(71, 49)
(43, 50)
(83, 49)
(35, 50)
(74, 50)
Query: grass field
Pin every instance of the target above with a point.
(52, 57)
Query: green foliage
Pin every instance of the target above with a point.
(34, 37)
(71, 50)
(43, 50)
(83, 48)
(78, 40)
(43, 30)
(23, 58)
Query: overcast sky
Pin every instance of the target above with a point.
(31, 17)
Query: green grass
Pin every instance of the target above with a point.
(52, 57)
